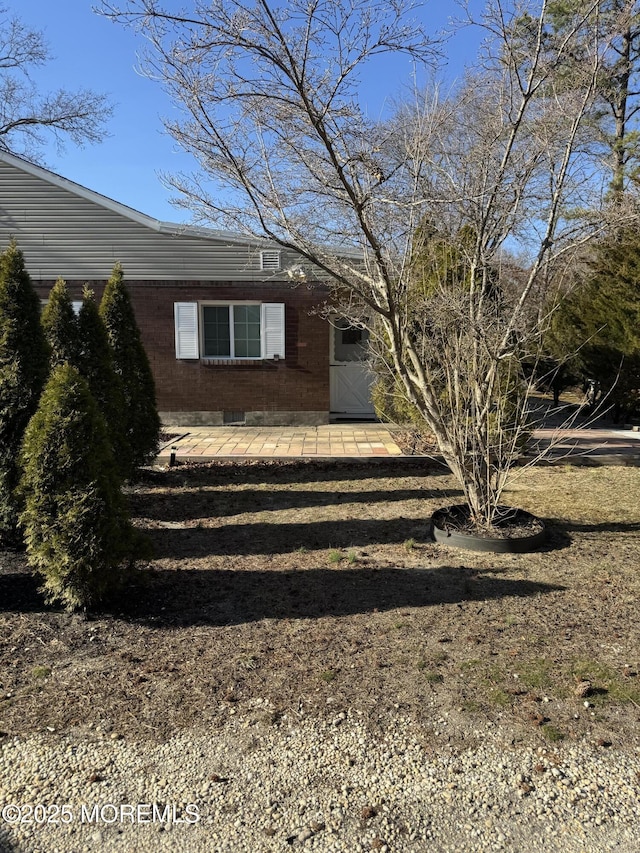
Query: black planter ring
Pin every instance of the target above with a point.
(447, 534)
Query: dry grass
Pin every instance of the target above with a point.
(292, 589)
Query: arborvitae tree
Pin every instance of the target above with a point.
(23, 372)
(76, 527)
(142, 424)
(96, 365)
(60, 326)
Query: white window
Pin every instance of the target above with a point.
(76, 304)
(229, 330)
(270, 260)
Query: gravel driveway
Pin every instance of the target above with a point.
(326, 785)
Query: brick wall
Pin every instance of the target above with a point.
(299, 383)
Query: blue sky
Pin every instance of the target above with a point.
(92, 52)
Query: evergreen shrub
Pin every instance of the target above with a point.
(23, 372)
(130, 362)
(77, 532)
(96, 365)
(60, 326)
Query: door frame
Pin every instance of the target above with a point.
(359, 369)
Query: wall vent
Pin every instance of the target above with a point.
(270, 260)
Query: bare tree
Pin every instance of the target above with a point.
(25, 113)
(271, 112)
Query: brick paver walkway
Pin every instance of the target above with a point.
(369, 440)
(327, 441)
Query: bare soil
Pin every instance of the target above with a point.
(306, 589)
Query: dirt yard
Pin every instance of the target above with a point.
(308, 588)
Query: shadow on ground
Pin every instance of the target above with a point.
(252, 471)
(6, 843)
(275, 538)
(602, 527)
(220, 597)
(231, 597)
(189, 503)
(272, 538)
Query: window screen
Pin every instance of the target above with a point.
(216, 331)
(246, 331)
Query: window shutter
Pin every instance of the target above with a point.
(186, 324)
(273, 330)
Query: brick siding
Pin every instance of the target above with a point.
(298, 383)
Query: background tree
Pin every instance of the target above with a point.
(618, 91)
(95, 363)
(590, 323)
(437, 261)
(599, 321)
(611, 133)
(76, 528)
(270, 110)
(130, 362)
(23, 372)
(26, 115)
(60, 326)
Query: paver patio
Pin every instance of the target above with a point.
(371, 441)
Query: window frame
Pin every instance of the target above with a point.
(230, 306)
(188, 324)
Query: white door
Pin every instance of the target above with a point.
(349, 374)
